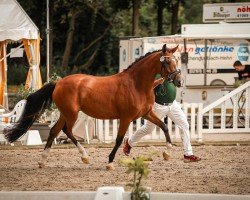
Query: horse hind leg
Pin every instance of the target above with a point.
(54, 131)
(68, 131)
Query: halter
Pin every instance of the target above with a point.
(164, 64)
(171, 76)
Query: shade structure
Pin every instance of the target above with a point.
(16, 25)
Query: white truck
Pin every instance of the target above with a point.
(206, 55)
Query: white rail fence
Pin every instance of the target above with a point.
(107, 129)
(229, 114)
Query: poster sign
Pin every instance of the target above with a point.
(229, 12)
(221, 53)
(16, 52)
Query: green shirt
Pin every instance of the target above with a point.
(165, 93)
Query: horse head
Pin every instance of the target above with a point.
(169, 66)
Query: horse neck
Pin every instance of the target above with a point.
(145, 71)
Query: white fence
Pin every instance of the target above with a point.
(107, 129)
(229, 114)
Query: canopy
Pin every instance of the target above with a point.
(15, 25)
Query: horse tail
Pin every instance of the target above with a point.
(36, 104)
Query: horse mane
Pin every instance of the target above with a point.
(140, 58)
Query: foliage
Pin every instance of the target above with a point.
(238, 83)
(17, 73)
(97, 30)
(22, 93)
(54, 77)
(139, 167)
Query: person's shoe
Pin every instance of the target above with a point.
(191, 158)
(127, 147)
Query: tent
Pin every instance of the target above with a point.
(16, 26)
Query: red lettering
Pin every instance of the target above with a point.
(244, 9)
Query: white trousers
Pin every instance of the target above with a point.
(175, 113)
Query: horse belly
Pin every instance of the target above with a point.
(99, 107)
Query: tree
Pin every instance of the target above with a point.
(135, 19)
(69, 41)
(161, 4)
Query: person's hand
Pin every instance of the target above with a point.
(158, 82)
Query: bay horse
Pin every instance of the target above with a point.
(127, 96)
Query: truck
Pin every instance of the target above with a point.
(205, 55)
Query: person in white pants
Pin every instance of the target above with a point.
(165, 105)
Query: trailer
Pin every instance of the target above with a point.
(206, 54)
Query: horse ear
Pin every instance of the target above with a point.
(164, 48)
(174, 49)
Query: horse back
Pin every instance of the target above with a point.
(110, 97)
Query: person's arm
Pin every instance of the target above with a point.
(240, 76)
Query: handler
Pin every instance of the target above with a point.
(243, 70)
(165, 105)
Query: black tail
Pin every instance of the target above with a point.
(36, 104)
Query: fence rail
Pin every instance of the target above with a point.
(107, 129)
(229, 114)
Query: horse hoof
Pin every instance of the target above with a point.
(110, 166)
(85, 160)
(166, 155)
(41, 165)
(169, 146)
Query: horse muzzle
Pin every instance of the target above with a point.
(178, 80)
(177, 83)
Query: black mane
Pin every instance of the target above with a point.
(147, 54)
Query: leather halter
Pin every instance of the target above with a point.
(164, 64)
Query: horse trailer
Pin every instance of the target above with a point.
(206, 54)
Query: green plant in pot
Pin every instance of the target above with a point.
(139, 167)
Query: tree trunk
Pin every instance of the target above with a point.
(69, 42)
(135, 20)
(90, 45)
(175, 11)
(160, 7)
(90, 61)
(51, 13)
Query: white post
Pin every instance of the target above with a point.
(33, 68)
(192, 125)
(200, 122)
(115, 125)
(247, 112)
(5, 96)
(100, 130)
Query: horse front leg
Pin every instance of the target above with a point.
(152, 117)
(121, 132)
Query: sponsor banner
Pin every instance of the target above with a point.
(229, 12)
(221, 54)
